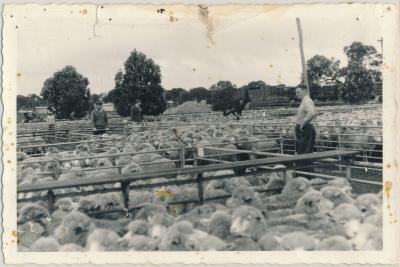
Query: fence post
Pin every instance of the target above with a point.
(340, 146)
(195, 154)
(182, 156)
(124, 131)
(348, 171)
(200, 188)
(281, 136)
(125, 193)
(57, 171)
(50, 201)
(347, 162)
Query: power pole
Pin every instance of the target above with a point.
(303, 61)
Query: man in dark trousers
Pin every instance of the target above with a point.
(305, 131)
(99, 119)
(136, 112)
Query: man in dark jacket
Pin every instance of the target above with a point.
(136, 112)
(99, 119)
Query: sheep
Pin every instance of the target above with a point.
(133, 167)
(74, 228)
(200, 215)
(137, 198)
(243, 195)
(159, 224)
(141, 243)
(149, 210)
(336, 195)
(296, 241)
(88, 204)
(243, 244)
(349, 217)
(109, 201)
(199, 242)
(312, 212)
(128, 148)
(312, 203)
(176, 236)
(248, 221)
(380, 196)
(368, 204)
(71, 247)
(291, 192)
(318, 183)
(269, 241)
(346, 212)
(374, 219)
(62, 208)
(123, 161)
(368, 237)
(159, 164)
(138, 227)
(21, 156)
(33, 213)
(219, 224)
(213, 190)
(74, 174)
(102, 240)
(341, 183)
(81, 148)
(256, 144)
(334, 243)
(143, 158)
(28, 233)
(45, 244)
(204, 211)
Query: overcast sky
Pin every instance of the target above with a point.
(245, 44)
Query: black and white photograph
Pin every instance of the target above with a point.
(200, 128)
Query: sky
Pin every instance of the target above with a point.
(237, 43)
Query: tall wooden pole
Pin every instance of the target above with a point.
(381, 42)
(303, 61)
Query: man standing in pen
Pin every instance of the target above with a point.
(136, 111)
(99, 119)
(305, 132)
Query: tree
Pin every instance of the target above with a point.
(177, 95)
(67, 91)
(362, 72)
(30, 101)
(22, 102)
(140, 79)
(198, 94)
(225, 95)
(322, 71)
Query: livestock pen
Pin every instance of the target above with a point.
(121, 177)
(124, 181)
(331, 135)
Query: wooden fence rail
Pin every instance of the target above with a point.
(126, 180)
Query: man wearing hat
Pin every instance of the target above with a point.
(99, 119)
(136, 111)
(51, 121)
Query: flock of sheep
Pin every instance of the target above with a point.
(307, 215)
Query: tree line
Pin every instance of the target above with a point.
(67, 91)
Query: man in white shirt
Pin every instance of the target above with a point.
(305, 131)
